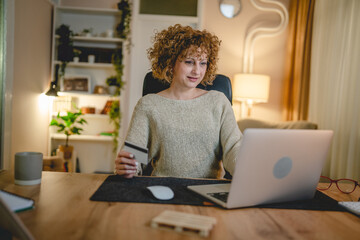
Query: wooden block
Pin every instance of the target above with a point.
(184, 222)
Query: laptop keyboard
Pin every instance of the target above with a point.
(222, 196)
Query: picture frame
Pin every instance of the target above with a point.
(76, 83)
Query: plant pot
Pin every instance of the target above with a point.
(76, 59)
(112, 90)
(68, 152)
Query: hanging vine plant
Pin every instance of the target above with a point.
(115, 112)
(123, 31)
(123, 28)
(119, 69)
(115, 117)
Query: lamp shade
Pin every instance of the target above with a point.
(53, 85)
(253, 87)
(52, 91)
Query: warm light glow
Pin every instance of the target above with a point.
(251, 87)
(43, 103)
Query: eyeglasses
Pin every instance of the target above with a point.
(344, 185)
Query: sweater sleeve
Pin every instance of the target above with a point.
(139, 128)
(230, 137)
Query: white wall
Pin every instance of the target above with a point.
(9, 58)
(32, 33)
(269, 53)
(31, 77)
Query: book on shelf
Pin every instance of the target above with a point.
(15, 202)
(107, 107)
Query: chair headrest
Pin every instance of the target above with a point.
(221, 83)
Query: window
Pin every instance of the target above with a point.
(169, 7)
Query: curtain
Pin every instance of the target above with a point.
(335, 83)
(296, 83)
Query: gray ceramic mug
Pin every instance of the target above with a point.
(28, 168)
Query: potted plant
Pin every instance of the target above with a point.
(113, 84)
(65, 47)
(77, 53)
(87, 32)
(66, 124)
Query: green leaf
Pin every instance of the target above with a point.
(66, 123)
(82, 121)
(54, 122)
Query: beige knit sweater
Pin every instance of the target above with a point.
(187, 138)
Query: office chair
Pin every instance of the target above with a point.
(221, 83)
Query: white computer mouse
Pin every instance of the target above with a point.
(161, 192)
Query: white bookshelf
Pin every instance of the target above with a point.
(93, 149)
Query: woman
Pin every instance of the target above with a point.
(188, 131)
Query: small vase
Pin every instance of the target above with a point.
(91, 58)
(110, 33)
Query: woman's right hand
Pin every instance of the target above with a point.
(125, 164)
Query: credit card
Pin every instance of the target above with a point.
(140, 153)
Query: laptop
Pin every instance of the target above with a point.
(273, 166)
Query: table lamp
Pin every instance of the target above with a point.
(250, 89)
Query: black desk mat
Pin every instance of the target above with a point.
(118, 189)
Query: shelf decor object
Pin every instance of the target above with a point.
(113, 84)
(75, 83)
(77, 53)
(247, 79)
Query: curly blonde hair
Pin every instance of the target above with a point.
(175, 43)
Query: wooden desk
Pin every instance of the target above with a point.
(63, 211)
